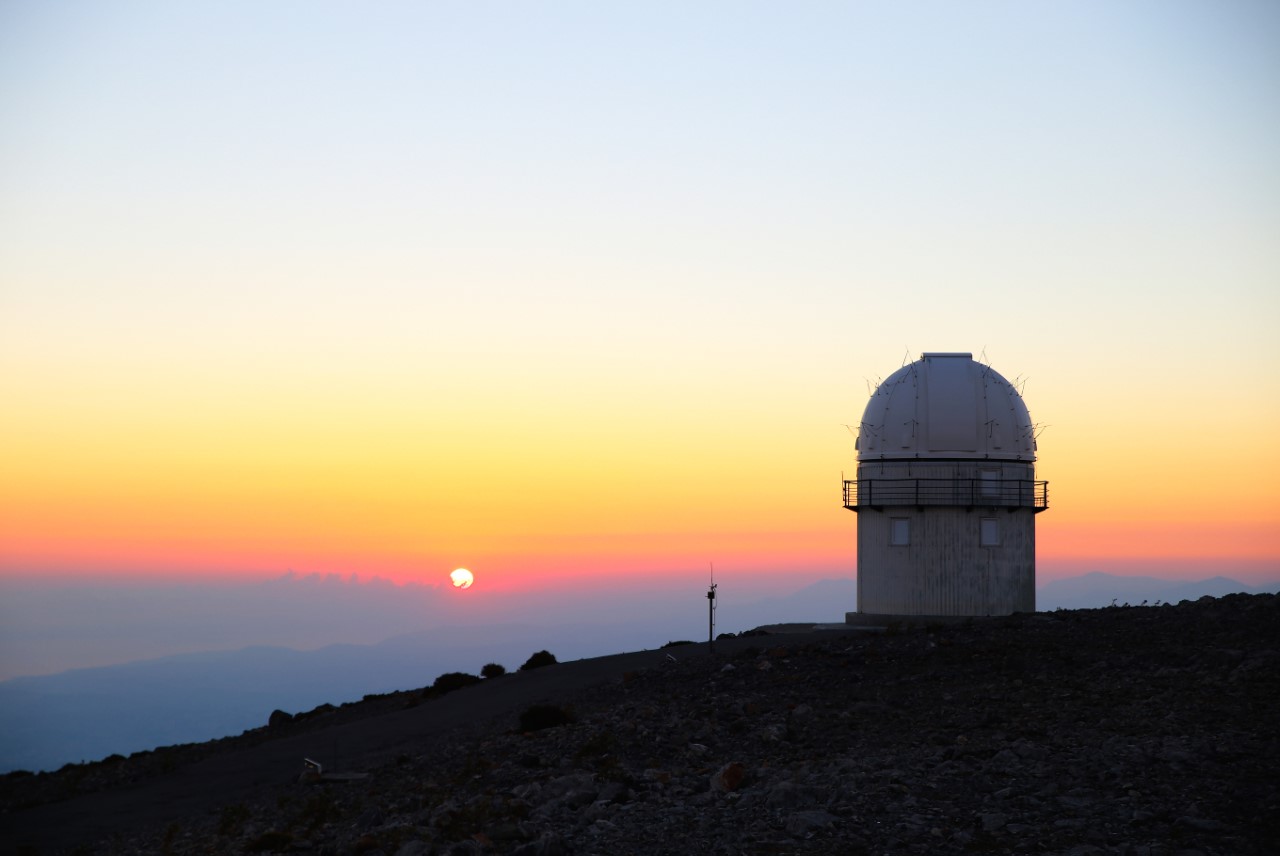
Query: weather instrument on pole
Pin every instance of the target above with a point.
(711, 612)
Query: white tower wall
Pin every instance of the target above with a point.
(944, 569)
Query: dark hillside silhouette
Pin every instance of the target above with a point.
(1124, 729)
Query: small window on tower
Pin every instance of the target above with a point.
(989, 535)
(899, 531)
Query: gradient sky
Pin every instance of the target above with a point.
(568, 290)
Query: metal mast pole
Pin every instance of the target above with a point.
(711, 612)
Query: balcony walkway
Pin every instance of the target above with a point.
(967, 493)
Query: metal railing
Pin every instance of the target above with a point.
(1005, 493)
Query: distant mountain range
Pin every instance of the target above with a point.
(1095, 590)
(87, 714)
(828, 600)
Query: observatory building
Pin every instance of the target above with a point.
(946, 494)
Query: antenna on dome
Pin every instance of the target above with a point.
(906, 358)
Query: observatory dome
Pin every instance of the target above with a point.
(946, 406)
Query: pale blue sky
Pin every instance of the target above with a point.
(853, 149)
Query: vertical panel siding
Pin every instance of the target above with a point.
(944, 570)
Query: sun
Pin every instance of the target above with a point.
(462, 578)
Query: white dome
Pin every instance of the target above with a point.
(946, 406)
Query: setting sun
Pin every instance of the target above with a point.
(462, 578)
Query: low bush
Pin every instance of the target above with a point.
(319, 710)
(450, 681)
(538, 660)
(493, 670)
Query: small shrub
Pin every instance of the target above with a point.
(279, 718)
(678, 643)
(540, 716)
(450, 681)
(493, 670)
(315, 711)
(538, 660)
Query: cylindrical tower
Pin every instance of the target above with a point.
(946, 494)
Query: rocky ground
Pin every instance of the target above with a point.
(1145, 731)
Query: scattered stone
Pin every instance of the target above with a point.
(414, 848)
(729, 777)
(1134, 732)
(805, 823)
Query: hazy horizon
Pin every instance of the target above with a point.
(50, 626)
(232, 681)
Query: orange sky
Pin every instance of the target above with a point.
(165, 478)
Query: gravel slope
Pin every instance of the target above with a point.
(1147, 731)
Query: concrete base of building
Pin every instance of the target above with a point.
(881, 620)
